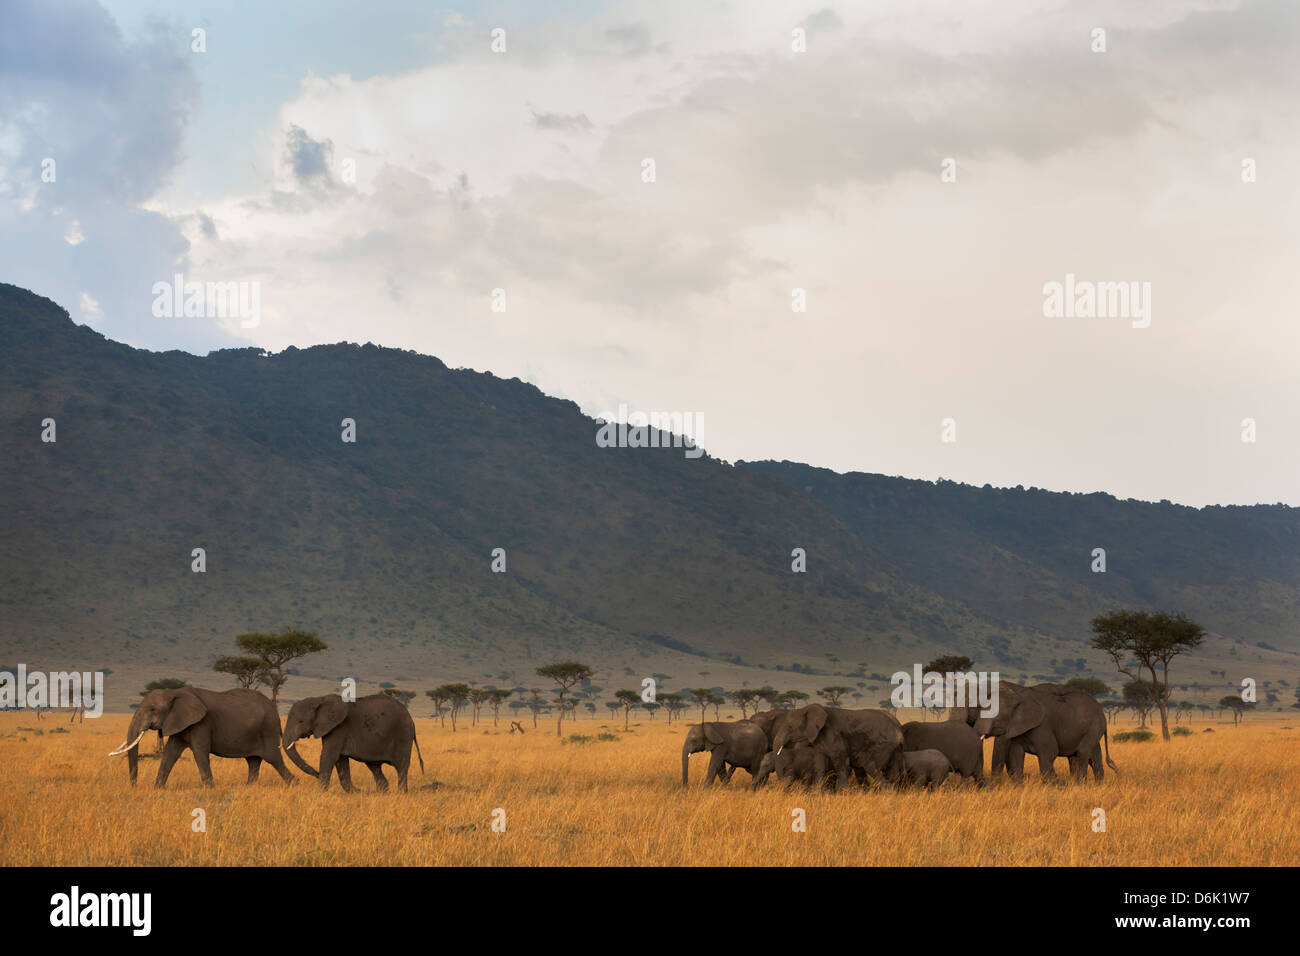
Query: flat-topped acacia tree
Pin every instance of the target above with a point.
(277, 651)
(1138, 640)
(566, 674)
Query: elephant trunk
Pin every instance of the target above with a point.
(296, 757)
(138, 728)
(686, 763)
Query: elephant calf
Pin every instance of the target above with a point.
(375, 730)
(740, 743)
(927, 768)
(955, 739)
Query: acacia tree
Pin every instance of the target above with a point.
(535, 703)
(627, 699)
(455, 695)
(248, 672)
(1145, 640)
(673, 703)
(745, 698)
(565, 674)
(477, 697)
(439, 697)
(1140, 696)
(495, 698)
(403, 697)
(1089, 685)
(1235, 704)
(701, 696)
(832, 695)
(277, 651)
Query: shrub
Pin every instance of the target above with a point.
(1135, 736)
(1181, 732)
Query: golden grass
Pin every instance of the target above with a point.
(1227, 798)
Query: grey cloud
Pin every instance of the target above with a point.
(112, 113)
(562, 122)
(311, 160)
(633, 39)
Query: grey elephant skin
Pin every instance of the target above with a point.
(795, 764)
(375, 730)
(844, 741)
(738, 743)
(955, 739)
(926, 768)
(1048, 721)
(230, 723)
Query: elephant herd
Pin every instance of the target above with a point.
(813, 745)
(374, 730)
(833, 746)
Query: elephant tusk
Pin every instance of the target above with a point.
(125, 747)
(778, 751)
(291, 745)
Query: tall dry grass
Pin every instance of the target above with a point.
(1226, 798)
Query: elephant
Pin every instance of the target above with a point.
(374, 730)
(929, 768)
(1048, 721)
(231, 723)
(796, 764)
(740, 743)
(845, 741)
(954, 739)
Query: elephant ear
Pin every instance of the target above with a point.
(1027, 715)
(331, 712)
(713, 734)
(814, 721)
(186, 710)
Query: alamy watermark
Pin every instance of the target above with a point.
(1084, 299)
(38, 691)
(953, 689)
(653, 430)
(209, 300)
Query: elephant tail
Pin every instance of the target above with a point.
(1106, 739)
(420, 757)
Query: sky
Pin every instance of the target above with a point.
(844, 255)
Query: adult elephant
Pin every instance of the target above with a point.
(375, 730)
(739, 743)
(955, 739)
(1048, 721)
(844, 741)
(230, 723)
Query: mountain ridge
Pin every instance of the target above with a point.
(637, 559)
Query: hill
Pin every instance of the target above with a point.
(635, 560)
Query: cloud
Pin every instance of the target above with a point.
(111, 115)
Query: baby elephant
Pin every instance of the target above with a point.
(376, 730)
(928, 768)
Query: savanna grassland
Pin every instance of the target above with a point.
(1226, 798)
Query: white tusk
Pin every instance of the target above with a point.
(292, 744)
(125, 747)
(778, 751)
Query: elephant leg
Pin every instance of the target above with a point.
(344, 768)
(201, 761)
(171, 752)
(377, 771)
(403, 765)
(329, 758)
(1097, 765)
(724, 775)
(716, 761)
(1046, 758)
(254, 768)
(1015, 761)
(276, 761)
